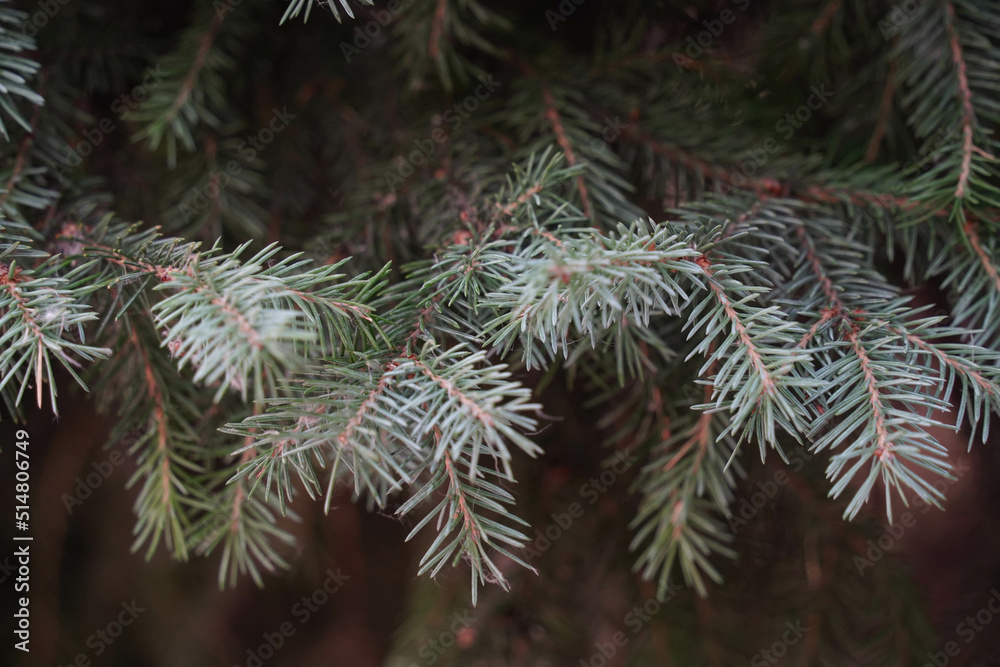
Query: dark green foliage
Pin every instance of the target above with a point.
(413, 227)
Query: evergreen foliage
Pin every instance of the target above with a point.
(462, 211)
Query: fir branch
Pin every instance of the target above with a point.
(676, 523)
(887, 394)
(246, 323)
(296, 7)
(465, 531)
(553, 116)
(16, 70)
(594, 286)
(759, 383)
(165, 442)
(40, 309)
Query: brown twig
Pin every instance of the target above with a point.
(823, 21)
(552, 114)
(767, 382)
(204, 47)
(437, 27)
(885, 107)
(972, 234)
(968, 112)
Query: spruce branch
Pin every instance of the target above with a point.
(555, 118)
(42, 311)
(973, 369)
(207, 196)
(446, 35)
(304, 7)
(564, 120)
(242, 324)
(892, 373)
(758, 381)
(192, 93)
(465, 404)
(420, 415)
(965, 96)
(961, 98)
(465, 528)
(166, 442)
(686, 485)
(11, 192)
(969, 270)
(338, 421)
(592, 287)
(16, 70)
(244, 526)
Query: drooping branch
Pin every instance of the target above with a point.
(205, 42)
